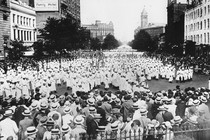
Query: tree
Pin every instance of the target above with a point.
(38, 49)
(64, 34)
(110, 42)
(142, 41)
(15, 52)
(95, 44)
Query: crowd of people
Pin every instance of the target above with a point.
(32, 109)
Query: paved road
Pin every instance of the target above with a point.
(161, 84)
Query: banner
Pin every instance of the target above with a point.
(46, 5)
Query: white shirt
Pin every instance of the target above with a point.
(8, 128)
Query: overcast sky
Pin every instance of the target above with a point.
(125, 14)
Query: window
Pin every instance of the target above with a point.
(198, 13)
(201, 12)
(34, 36)
(208, 23)
(27, 35)
(21, 20)
(198, 26)
(13, 18)
(14, 33)
(208, 9)
(18, 19)
(29, 22)
(205, 38)
(208, 38)
(201, 38)
(33, 22)
(24, 35)
(201, 25)
(5, 16)
(18, 35)
(204, 24)
(24, 21)
(30, 35)
(198, 38)
(204, 10)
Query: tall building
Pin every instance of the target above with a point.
(23, 22)
(4, 25)
(175, 23)
(56, 8)
(144, 18)
(100, 30)
(197, 23)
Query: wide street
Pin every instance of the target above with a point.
(158, 85)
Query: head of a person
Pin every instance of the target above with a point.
(135, 124)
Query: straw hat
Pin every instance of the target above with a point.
(54, 105)
(161, 108)
(114, 126)
(43, 105)
(31, 130)
(135, 106)
(203, 99)
(143, 111)
(196, 102)
(67, 110)
(79, 120)
(8, 113)
(177, 120)
(97, 116)
(55, 131)
(27, 112)
(101, 128)
(92, 109)
(158, 100)
(65, 128)
(91, 101)
(50, 122)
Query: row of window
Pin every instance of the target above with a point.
(200, 39)
(24, 35)
(198, 26)
(21, 20)
(198, 13)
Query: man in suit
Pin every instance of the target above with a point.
(102, 112)
(41, 128)
(106, 106)
(25, 123)
(91, 124)
(127, 107)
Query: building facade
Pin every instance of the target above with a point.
(56, 9)
(197, 23)
(100, 30)
(175, 24)
(23, 23)
(155, 31)
(4, 25)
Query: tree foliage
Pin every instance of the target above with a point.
(15, 51)
(64, 33)
(95, 44)
(142, 41)
(110, 42)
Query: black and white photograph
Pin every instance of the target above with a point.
(104, 69)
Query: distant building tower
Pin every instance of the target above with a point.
(144, 18)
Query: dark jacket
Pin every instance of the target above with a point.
(102, 112)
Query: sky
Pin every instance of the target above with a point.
(125, 14)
